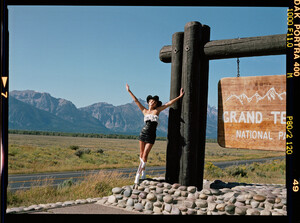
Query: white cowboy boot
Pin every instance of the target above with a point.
(137, 176)
(143, 177)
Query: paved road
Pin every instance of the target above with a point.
(26, 181)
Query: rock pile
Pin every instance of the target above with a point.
(217, 198)
(44, 207)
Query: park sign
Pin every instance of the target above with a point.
(252, 112)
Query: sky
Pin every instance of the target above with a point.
(87, 54)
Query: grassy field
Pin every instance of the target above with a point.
(272, 172)
(97, 185)
(32, 154)
(100, 184)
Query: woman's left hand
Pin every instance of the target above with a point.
(181, 92)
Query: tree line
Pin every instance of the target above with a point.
(89, 135)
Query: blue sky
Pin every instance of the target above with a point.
(87, 54)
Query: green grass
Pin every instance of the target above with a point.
(39, 153)
(32, 153)
(269, 172)
(97, 185)
(101, 184)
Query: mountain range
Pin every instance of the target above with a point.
(31, 110)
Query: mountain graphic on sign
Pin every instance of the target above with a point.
(270, 95)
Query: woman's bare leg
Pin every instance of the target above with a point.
(142, 148)
(146, 152)
(144, 158)
(141, 166)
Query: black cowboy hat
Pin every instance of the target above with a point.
(156, 98)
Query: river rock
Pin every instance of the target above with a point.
(191, 189)
(175, 211)
(177, 193)
(160, 197)
(143, 195)
(189, 203)
(151, 197)
(182, 188)
(206, 191)
(159, 190)
(184, 193)
(211, 199)
(201, 203)
(157, 210)
(168, 199)
(211, 206)
(203, 196)
(136, 192)
(259, 198)
(112, 199)
(266, 212)
(127, 193)
(167, 185)
(230, 209)
(215, 191)
(157, 204)
(254, 204)
(221, 207)
(138, 207)
(182, 208)
(176, 186)
(252, 211)
(117, 190)
(168, 207)
(191, 211)
(149, 206)
(130, 202)
(240, 210)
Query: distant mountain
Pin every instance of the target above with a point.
(124, 118)
(74, 119)
(25, 116)
(30, 110)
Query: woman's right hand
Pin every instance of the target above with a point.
(127, 87)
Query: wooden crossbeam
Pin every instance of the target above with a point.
(233, 48)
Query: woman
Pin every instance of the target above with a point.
(148, 133)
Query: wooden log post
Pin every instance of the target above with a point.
(173, 139)
(194, 104)
(202, 114)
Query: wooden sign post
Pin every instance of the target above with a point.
(252, 112)
(189, 54)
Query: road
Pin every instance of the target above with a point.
(26, 181)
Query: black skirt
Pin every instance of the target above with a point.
(148, 132)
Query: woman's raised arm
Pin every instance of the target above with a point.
(163, 107)
(141, 107)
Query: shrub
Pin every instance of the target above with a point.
(74, 147)
(86, 150)
(66, 183)
(80, 152)
(237, 171)
(99, 151)
(213, 170)
(101, 187)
